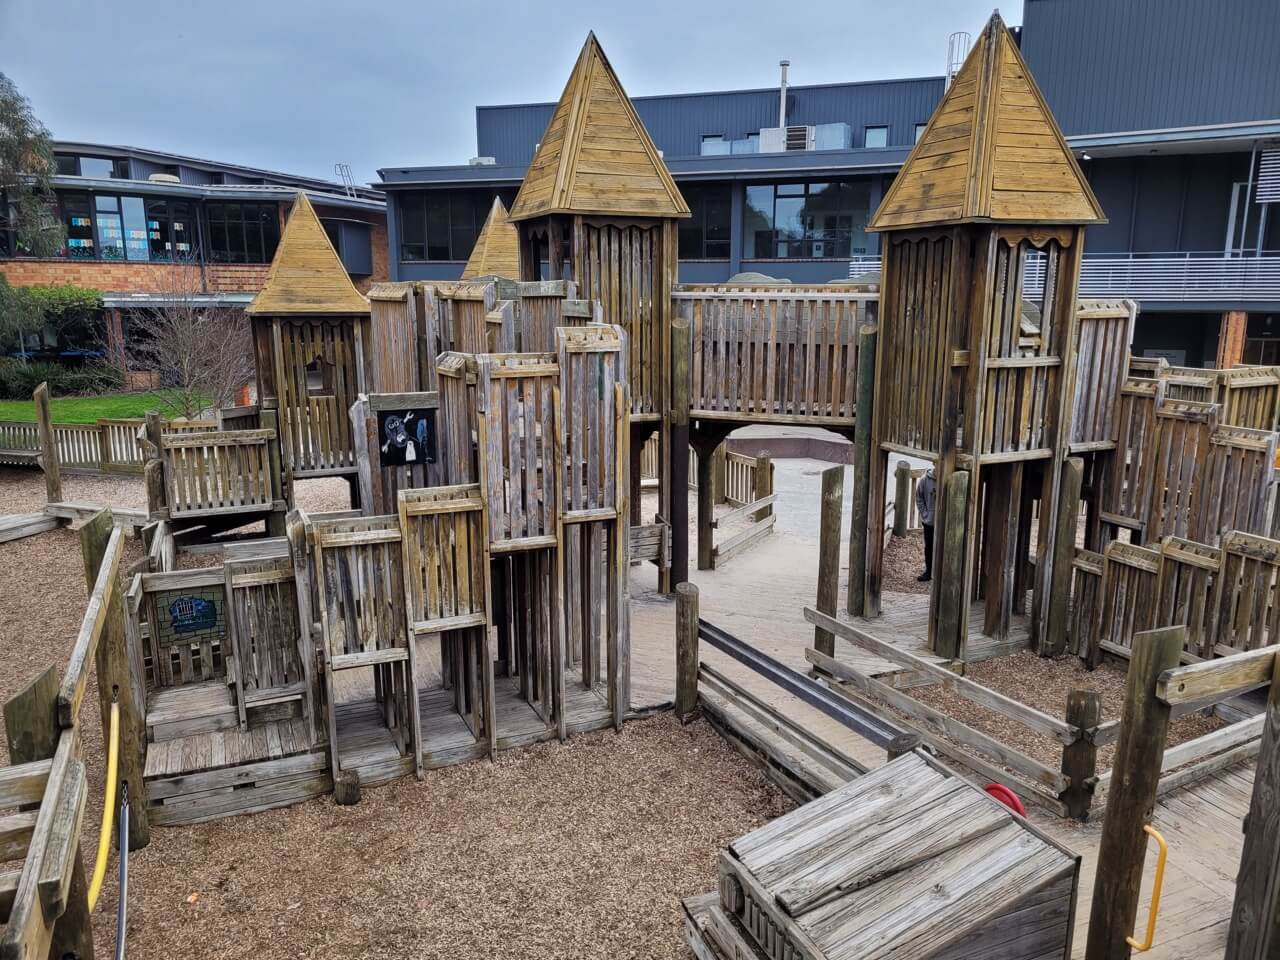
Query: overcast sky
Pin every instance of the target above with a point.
(297, 86)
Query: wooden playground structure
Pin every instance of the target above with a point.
(496, 433)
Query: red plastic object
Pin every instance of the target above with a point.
(1007, 797)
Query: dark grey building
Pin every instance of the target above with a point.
(1172, 107)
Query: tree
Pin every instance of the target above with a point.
(26, 172)
(202, 351)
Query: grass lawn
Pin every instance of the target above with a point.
(86, 409)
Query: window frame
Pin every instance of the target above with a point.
(803, 191)
(244, 221)
(875, 126)
(480, 202)
(696, 196)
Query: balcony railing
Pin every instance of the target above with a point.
(1181, 277)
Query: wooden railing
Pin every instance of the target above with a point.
(778, 354)
(108, 445)
(220, 472)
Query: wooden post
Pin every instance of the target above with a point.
(719, 472)
(270, 420)
(678, 516)
(686, 651)
(706, 504)
(1255, 916)
(856, 596)
(32, 730)
(1132, 796)
(346, 788)
(764, 487)
(950, 571)
(1232, 332)
(901, 498)
(48, 446)
(1080, 759)
(829, 554)
(115, 676)
(1053, 640)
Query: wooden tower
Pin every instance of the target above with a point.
(599, 207)
(311, 349)
(497, 249)
(984, 230)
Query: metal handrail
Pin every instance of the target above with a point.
(1155, 892)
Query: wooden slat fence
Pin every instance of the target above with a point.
(319, 373)
(106, 446)
(1250, 397)
(1103, 335)
(219, 472)
(1226, 595)
(458, 421)
(774, 356)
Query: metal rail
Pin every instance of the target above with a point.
(862, 722)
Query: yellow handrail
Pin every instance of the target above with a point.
(1155, 893)
(108, 807)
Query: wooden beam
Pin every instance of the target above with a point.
(48, 445)
(31, 720)
(855, 599)
(1214, 680)
(1131, 799)
(1054, 640)
(686, 651)
(114, 668)
(1255, 915)
(1232, 332)
(830, 508)
(950, 572)
(678, 468)
(901, 497)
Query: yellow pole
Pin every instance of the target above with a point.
(108, 808)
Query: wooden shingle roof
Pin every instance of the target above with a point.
(596, 156)
(306, 276)
(992, 152)
(497, 249)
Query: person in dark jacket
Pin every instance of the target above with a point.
(926, 501)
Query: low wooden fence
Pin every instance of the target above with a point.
(1071, 789)
(221, 472)
(1225, 595)
(106, 446)
(1248, 396)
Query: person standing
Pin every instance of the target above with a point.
(926, 500)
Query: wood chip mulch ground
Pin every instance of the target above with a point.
(568, 850)
(903, 562)
(1043, 683)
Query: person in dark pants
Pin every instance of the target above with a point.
(926, 499)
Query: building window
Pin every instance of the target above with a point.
(440, 225)
(66, 165)
(920, 129)
(714, 145)
(103, 168)
(806, 220)
(242, 232)
(171, 229)
(106, 215)
(78, 222)
(705, 235)
(875, 137)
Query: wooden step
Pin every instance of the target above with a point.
(194, 708)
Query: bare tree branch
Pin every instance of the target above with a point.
(202, 351)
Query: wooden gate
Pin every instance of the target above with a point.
(270, 649)
(360, 573)
(447, 592)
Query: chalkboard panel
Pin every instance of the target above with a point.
(406, 437)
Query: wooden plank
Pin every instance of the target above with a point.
(1212, 681)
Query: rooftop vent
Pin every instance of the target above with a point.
(482, 161)
(164, 178)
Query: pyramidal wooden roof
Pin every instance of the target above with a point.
(596, 156)
(992, 152)
(306, 276)
(497, 249)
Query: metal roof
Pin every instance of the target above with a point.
(238, 191)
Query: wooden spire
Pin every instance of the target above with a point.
(992, 152)
(595, 156)
(306, 276)
(497, 249)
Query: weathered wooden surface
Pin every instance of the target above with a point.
(856, 598)
(830, 509)
(1143, 728)
(48, 447)
(686, 650)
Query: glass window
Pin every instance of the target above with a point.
(714, 145)
(705, 235)
(242, 232)
(110, 227)
(876, 137)
(186, 234)
(158, 230)
(78, 222)
(920, 129)
(100, 167)
(66, 165)
(443, 225)
(807, 220)
(137, 245)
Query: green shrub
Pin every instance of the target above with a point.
(19, 379)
